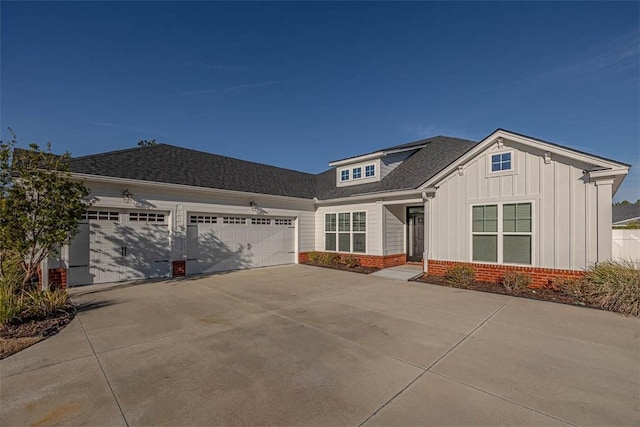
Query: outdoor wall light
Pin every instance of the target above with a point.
(253, 205)
(127, 195)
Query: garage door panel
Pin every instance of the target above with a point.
(120, 251)
(238, 246)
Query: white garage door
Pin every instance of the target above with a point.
(220, 243)
(114, 246)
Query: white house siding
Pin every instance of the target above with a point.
(394, 229)
(306, 231)
(564, 207)
(180, 203)
(374, 224)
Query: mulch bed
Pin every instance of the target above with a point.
(18, 336)
(357, 269)
(542, 294)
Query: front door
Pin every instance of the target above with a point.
(415, 241)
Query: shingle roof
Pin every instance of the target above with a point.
(177, 165)
(625, 212)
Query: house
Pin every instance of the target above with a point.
(624, 214)
(509, 202)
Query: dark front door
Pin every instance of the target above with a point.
(415, 241)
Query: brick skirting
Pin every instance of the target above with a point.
(57, 278)
(178, 268)
(378, 261)
(494, 273)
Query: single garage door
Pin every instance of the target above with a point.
(114, 246)
(220, 243)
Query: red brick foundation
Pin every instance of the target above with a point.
(493, 273)
(57, 278)
(377, 261)
(178, 268)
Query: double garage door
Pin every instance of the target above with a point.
(114, 245)
(222, 242)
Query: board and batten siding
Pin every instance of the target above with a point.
(374, 224)
(394, 229)
(306, 231)
(564, 207)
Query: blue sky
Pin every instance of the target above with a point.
(297, 85)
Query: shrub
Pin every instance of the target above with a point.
(11, 302)
(41, 304)
(329, 258)
(515, 281)
(350, 261)
(460, 274)
(314, 257)
(615, 286)
(572, 287)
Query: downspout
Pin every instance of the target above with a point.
(427, 226)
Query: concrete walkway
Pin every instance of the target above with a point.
(300, 345)
(401, 272)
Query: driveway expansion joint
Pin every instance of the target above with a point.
(435, 362)
(115, 398)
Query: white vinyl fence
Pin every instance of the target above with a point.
(626, 244)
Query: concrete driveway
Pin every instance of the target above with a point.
(299, 345)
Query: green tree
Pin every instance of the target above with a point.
(40, 205)
(146, 142)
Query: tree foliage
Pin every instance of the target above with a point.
(146, 142)
(40, 205)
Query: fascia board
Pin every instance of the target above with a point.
(367, 157)
(376, 196)
(182, 187)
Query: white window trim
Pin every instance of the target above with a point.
(351, 232)
(500, 233)
(348, 178)
(514, 164)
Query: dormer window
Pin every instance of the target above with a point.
(344, 175)
(357, 173)
(501, 162)
(370, 171)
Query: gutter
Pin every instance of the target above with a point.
(181, 187)
(378, 196)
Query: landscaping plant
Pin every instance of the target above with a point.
(460, 274)
(513, 281)
(40, 205)
(615, 286)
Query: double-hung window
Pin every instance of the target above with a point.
(357, 173)
(485, 233)
(345, 232)
(516, 229)
(330, 232)
(502, 233)
(344, 175)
